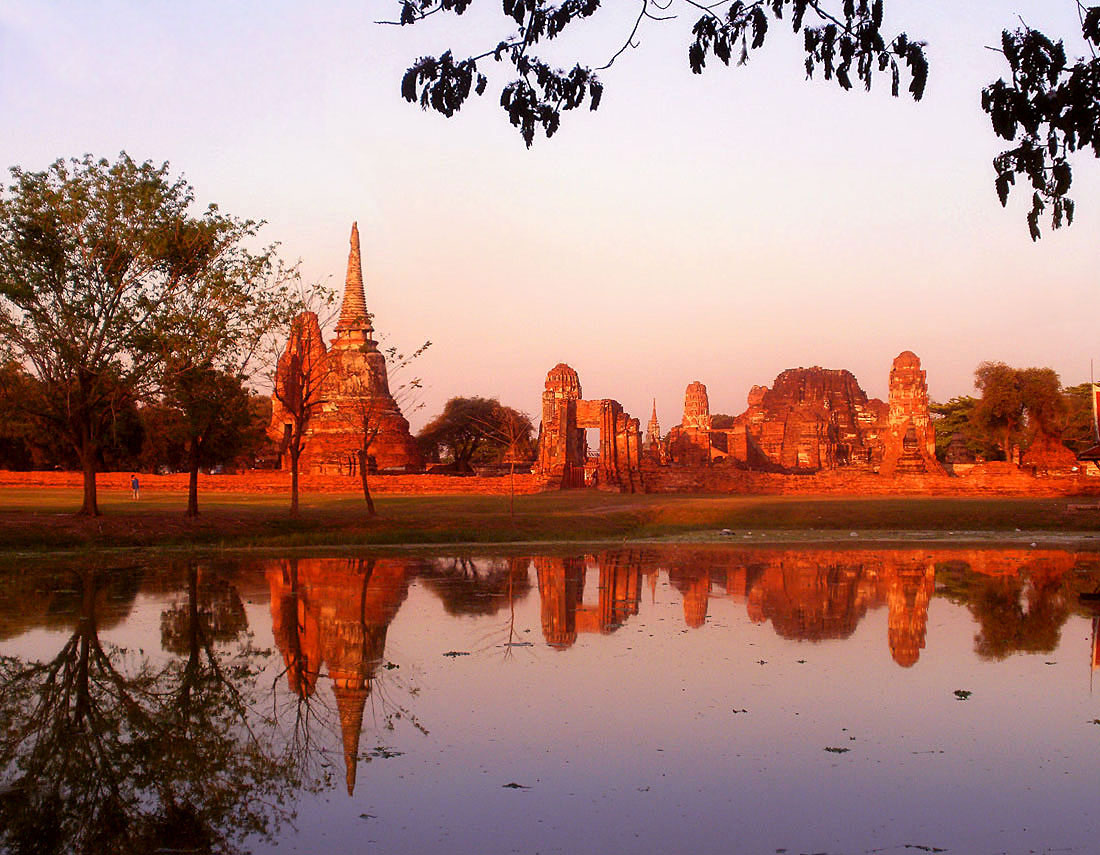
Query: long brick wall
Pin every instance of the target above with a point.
(992, 479)
(279, 482)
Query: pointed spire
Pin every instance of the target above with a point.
(353, 311)
(349, 704)
(653, 429)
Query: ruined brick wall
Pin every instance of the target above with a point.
(985, 480)
(279, 482)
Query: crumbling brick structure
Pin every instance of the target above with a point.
(909, 441)
(563, 459)
(350, 397)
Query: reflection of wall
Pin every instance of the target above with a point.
(561, 592)
(811, 598)
(334, 613)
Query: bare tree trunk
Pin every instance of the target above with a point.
(363, 462)
(512, 489)
(193, 488)
(295, 453)
(90, 507)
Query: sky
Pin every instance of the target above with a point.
(719, 227)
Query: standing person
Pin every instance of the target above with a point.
(135, 487)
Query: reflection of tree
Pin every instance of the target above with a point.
(212, 611)
(214, 774)
(101, 752)
(1020, 601)
(476, 586)
(1018, 614)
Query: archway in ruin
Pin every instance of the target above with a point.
(564, 445)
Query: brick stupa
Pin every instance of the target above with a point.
(355, 397)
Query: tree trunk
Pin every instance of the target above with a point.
(90, 507)
(193, 488)
(512, 490)
(295, 452)
(193, 479)
(363, 463)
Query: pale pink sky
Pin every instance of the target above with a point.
(720, 227)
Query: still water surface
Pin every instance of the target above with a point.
(684, 699)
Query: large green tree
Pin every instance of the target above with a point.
(212, 340)
(1000, 410)
(95, 259)
(1019, 406)
(470, 426)
(216, 419)
(17, 432)
(955, 418)
(1080, 431)
(1049, 106)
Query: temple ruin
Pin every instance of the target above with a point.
(564, 458)
(343, 389)
(811, 420)
(909, 441)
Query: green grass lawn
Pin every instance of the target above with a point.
(44, 518)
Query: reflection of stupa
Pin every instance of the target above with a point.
(907, 594)
(334, 613)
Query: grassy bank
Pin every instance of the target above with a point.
(39, 519)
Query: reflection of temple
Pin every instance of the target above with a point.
(908, 590)
(561, 590)
(816, 595)
(693, 582)
(333, 614)
(808, 595)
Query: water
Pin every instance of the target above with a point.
(697, 700)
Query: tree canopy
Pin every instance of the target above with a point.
(1048, 105)
(1052, 106)
(469, 425)
(103, 269)
(1018, 404)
